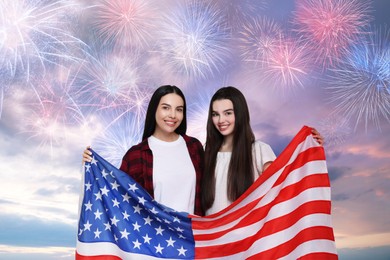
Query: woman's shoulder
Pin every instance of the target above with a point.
(260, 147)
(263, 149)
(193, 143)
(140, 146)
(262, 153)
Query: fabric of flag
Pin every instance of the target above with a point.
(285, 214)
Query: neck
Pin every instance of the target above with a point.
(171, 137)
(227, 144)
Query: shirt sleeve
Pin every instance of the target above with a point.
(262, 153)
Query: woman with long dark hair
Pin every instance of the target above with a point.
(233, 158)
(166, 156)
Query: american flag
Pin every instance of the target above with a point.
(285, 214)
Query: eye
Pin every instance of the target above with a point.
(165, 107)
(180, 109)
(213, 114)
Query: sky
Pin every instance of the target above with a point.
(75, 73)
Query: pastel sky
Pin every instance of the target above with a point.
(73, 74)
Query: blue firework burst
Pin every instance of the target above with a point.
(360, 85)
(194, 40)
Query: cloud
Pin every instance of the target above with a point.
(271, 136)
(360, 207)
(36, 185)
(340, 197)
(36, 232)
(377, 253)
(36, 253)
(337, 172)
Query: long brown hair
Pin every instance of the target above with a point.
(240, 172)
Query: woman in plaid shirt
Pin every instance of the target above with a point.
(167, 163)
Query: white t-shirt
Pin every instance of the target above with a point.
(174, 176)
(261, 152)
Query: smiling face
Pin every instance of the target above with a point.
(169, 115)
(223, 116)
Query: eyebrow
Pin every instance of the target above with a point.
(166, 104)
(229, 109)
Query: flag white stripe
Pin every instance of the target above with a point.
(309, 247)
(105, 248)
(278, 210)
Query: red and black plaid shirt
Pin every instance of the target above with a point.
(138, 163)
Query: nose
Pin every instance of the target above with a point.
(221, 118)
(172, 113)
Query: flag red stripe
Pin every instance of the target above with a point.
(322, 256)
(272, 226)
(313, 233)
(319, 256)
(311, 154)
(286, 221)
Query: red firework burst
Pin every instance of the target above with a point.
(288, 65)
(125, 22)
(331, 25)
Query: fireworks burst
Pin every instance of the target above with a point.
(1, 101)
(194, 41)
(125, 22)
(136, 109)
(110, 81)
(335, 130)
(237, 11)
(114, 142)
(288, 64)
(198, 113)
(331, 25)
(258, 39)
(55, 112)
(360, 85)
(32, 36)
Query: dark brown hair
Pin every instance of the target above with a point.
(240, 173)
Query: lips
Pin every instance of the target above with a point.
(170, 123)
(223, 127)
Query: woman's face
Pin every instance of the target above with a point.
(169, 114)
(223, 116)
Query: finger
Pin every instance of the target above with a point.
(86, 157)
(320, 140)
(88, 150)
